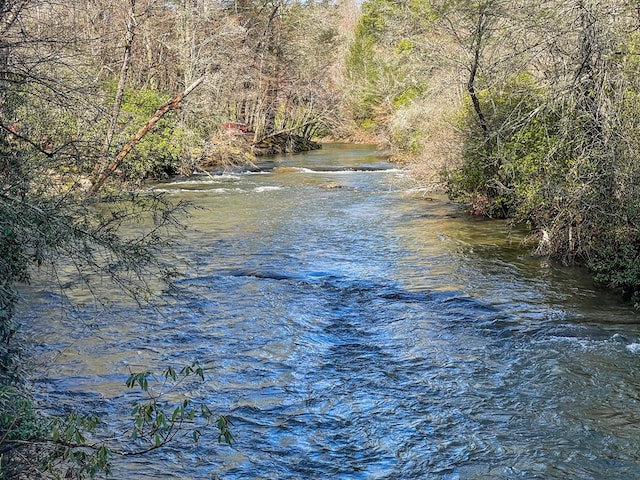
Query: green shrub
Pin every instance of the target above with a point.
(495, 162)
(616, 262)
(158, 153)
(19, 424)
(406, 96)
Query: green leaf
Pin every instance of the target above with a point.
(176, 413)
(170, 373)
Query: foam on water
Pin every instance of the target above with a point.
(198, 190)
(634, 348)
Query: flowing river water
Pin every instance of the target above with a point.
(353, 328)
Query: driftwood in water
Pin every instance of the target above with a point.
(236, 146)
(286, 141)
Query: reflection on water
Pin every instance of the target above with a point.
(354, 329)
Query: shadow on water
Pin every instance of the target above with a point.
(363, 332)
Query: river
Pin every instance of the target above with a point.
(354, 328)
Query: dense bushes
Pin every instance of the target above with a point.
(159, 153)
(495, 163)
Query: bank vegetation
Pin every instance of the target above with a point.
(518, 109)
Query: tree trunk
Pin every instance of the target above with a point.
(473, 72)
(124, 70)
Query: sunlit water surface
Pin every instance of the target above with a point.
(354, 328)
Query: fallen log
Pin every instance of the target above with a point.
(173, 104)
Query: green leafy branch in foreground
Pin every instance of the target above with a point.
(158, 425)
(69, 448)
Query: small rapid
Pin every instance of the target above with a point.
(354, 328)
